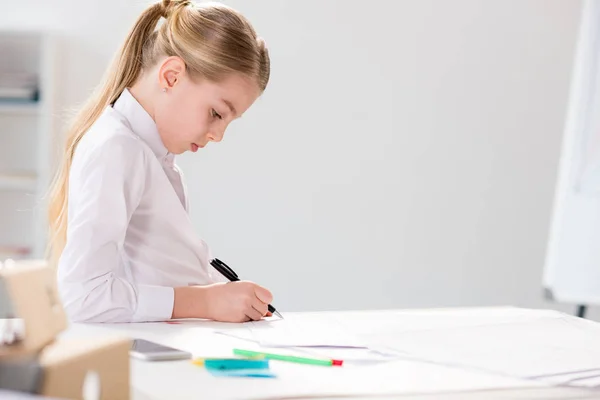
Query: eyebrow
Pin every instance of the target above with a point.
(231, 107)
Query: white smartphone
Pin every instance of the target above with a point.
(150, 351)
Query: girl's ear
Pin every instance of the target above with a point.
(170, 72)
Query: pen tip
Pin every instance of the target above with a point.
(278, 314)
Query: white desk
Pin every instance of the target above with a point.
(397, 379)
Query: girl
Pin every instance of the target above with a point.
(120, 232)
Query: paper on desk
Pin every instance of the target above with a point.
(296, 331)
(590, 380)
(543, 348)
(298, 380)
(401, 321)
(584, 378)
(586, 381)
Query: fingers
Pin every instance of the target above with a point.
(253, 299)
(261, 307)
(263, 294)
(254, 314)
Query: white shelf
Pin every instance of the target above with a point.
(18, 182)
(27, 140)
(25, 108)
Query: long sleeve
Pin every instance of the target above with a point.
(213, 275)
(106, 186)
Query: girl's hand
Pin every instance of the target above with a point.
(228, 302)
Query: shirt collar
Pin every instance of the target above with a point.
(141, 123)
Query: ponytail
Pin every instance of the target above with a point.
(123, 72)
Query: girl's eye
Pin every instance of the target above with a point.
(216, 114)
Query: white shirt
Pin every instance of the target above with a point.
(129, 237)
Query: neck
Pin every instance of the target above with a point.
(142, 92)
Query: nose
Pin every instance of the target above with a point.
(215, 136)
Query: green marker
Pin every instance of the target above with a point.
(281, 357)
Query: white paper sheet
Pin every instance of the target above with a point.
(394, 322)
(395, 378)
(534, 349)
(296, 331)
(592, 381)
(572, 379)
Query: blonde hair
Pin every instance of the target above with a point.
(212, 39)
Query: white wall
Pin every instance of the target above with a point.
(404, 154)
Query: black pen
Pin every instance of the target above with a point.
(233, 277)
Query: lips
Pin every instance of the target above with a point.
(194, 147)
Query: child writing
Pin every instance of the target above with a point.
(120, 233)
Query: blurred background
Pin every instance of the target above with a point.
(405, 154)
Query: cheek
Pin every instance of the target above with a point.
(167, 126)
(179, 120)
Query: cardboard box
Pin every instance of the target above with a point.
(66, 369)
(72, 369)
(91, 369)
(28, 292)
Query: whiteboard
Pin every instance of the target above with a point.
(572, 268)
